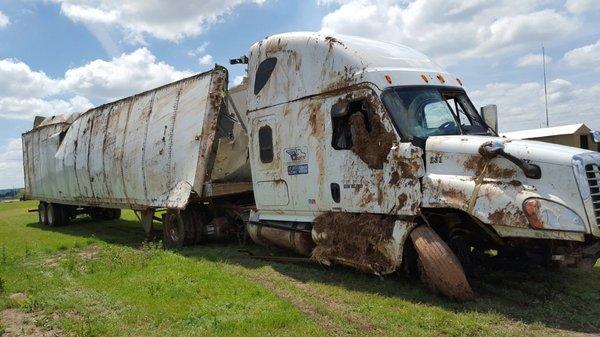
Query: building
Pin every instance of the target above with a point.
(576, 135)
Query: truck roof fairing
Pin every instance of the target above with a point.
(305, 64)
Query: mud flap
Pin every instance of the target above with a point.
(440, 269)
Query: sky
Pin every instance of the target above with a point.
(64, 56)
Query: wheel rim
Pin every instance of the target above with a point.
(174, 233)
(50, 214)
(42, 214)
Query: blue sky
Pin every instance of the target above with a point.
(61, 56)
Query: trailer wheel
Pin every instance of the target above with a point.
(439, 268)
(55, 215)
(178, 229)
(42, 213)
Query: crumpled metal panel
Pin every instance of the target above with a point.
(147, 150)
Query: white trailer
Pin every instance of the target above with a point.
(353, 146)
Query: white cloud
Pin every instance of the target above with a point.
(206, 60)
(25, 93)
(584, 57)
(522, 106)
(581, 6)
(199, 50)
(169, 20)
(532, 60)
(27, 108)
(11, 164)
(18, 80)
(4, 20)
(122, 76)
(451, 31)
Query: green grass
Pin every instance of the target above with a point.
(100, 279)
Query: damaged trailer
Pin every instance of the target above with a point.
(347, 150)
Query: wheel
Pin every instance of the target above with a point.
(55, 215)
(173, 231)
(178, 229)
(458, 244)
(439, 268)
(42, 214)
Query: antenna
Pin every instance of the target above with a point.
(545, 85)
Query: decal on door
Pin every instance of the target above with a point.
(297, 159)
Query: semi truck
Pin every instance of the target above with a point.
(346, 150)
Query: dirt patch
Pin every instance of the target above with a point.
(18, 323)
(86, 254)
(372, 146)
(440, 269)
(17, 297)
(358, 238)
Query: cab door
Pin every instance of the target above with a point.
(368, 169)
(270, 188)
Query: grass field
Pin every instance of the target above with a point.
(100, 279)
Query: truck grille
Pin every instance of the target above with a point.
(593, 176)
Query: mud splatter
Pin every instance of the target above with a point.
(371, 147)
(354, 237)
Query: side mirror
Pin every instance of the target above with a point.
(489, 113)
(491, 149)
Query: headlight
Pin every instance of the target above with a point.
(546, 214)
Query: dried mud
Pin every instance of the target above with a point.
(354, 237)
(372, 146)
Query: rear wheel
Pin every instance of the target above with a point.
(42, 213)
(439, 268)
(180, 228)
(56, 215)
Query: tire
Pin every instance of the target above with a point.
(42, 213)
(178, 229)
(55, 214)
(439, 268)
(173, 231)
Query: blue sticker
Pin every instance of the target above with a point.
(297, 169)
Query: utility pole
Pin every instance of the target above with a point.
(545, 85)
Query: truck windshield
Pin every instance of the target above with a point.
(420, 112)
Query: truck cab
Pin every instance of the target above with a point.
(346, 125)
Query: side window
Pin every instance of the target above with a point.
(265, 144)
(263, 72)
(341, 114)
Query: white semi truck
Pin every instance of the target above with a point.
(337, 147)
